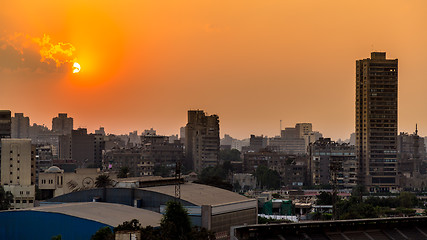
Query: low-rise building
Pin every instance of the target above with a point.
(55, 182)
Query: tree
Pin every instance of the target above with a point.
(103, 233)
(215, 176)
(123, 172)
(103, 181)
(5, 199)
(132, 225)
(267, 178)
(230, 155)
(176, 223)
(407, 200)
(58, 237)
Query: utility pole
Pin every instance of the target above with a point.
(178, 179)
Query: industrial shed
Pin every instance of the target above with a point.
(70, 220)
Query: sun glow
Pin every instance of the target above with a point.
(76, 67)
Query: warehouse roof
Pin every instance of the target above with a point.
(107, 213)
(199, 194)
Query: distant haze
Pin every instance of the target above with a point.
(253, 63)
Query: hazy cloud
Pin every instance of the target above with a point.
(20, 51)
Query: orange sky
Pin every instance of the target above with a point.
(145, 63)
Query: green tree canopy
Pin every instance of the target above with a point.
(230, 155)
(5, 199)
(123, 172)
(104, 233)
(267, 178)
(176, 222)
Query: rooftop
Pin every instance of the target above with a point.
(107, 213)
(200, 194)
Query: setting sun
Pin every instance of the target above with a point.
(76, 67)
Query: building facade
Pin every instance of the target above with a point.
(201, 140)
(20, 126)
(62, 124)
(376, 122)
(18, 171)
(332, 163)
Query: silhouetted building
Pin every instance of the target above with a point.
(86, 148)
(20, 126)
(411, 152)
(5, 124)
(100, 131)
(201, 140)
(160, 151)
(138, 163)
(62, 124)
(331, 163)
(256, 143)
(288, 145)
(376, 122)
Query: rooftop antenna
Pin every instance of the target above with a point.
(416, 128)
(280, 126)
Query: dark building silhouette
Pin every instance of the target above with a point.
(201, 140)
(411, 150)
(5, 124)
(85, 149)
(376, 122)
(62, 124)
(20, 126)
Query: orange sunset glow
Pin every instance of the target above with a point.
(135, 65)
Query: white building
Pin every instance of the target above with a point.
(18, 171)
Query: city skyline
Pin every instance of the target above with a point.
(146, 64)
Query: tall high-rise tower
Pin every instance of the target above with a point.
(201, 140)
(376, 122)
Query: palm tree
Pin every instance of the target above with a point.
(103, 181)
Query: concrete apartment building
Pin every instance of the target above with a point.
(5, 123)
(62, 124)
(376, 122)
(330, 161)
(134, 159)
(290, 142)
(20, 127)
(201, 140)
(5, 126)
(256, 143)
(86, 149)
(160, 151)
(18, 171)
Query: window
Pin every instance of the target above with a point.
(18, 201)
(24, 201)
